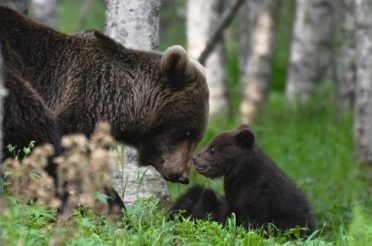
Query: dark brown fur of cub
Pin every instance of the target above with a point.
(200, 203)
(256, 190)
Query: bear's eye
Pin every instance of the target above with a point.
(211, 150)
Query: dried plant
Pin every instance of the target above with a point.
(28, 179)
(84, 171)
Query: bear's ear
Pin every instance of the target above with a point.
(245, 137)
(173, 65)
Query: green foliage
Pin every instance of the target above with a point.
(144, 224)
(360, 232)
(69, 15)
(283, 36)
(13, 149)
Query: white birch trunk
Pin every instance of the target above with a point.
(363, 98)
(257, 34)
(345, 55)
(247, 20)
(202, 17)
(135, 24)
(45, 11)
(18, 5)
(311, 48)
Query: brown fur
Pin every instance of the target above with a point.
(41, 121)
(256, 190)
(156, 102)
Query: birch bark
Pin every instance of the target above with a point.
(311, 48)
(45, 11)
(345, 55)
(363, 99)
(135, 24)
(257, 33)
(202, 17)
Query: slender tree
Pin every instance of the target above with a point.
(257, 25)
(19, 5)
(202, 17)
(45, 11)
(345, 54)
(363, 98)
(311, 48)
(135, 24)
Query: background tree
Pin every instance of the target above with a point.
(257, 32)
(363, 98)
(19, 5)
(135, 24)
(311, 47)
(345, 54)
(202, 17)
(44, 11)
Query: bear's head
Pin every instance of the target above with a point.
(224, 152)
(180, 119)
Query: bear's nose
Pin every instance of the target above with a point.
(183, 180)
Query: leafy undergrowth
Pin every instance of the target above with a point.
(144, 224)
(310, 143)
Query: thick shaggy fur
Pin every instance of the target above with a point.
(256, 190)
(23, 106)
(200, 203)
(157, 102)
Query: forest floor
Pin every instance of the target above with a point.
(310, 143)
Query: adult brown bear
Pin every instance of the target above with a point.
(156, 102)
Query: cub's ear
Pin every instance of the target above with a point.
(173, 65)
(244, 138)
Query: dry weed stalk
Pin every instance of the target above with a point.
(27, 178)
(84, 169)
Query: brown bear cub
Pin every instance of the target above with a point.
(256, 190)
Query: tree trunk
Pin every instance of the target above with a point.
(135, 24)
(202, 17)
(363, 98)
(345, 55)
(18, 5)
(45, 11)
(311, 48)
(257, 25)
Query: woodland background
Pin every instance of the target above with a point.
(299, 72)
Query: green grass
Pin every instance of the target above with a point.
(308, 142)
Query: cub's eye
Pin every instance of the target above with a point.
(211, 150)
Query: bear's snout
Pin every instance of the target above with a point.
(199, 166)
